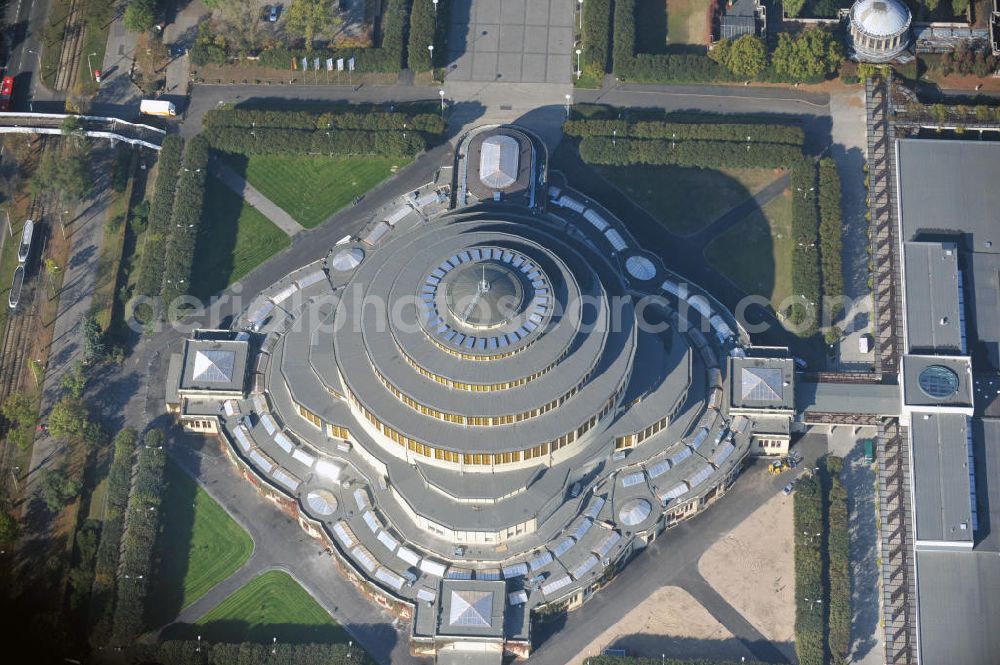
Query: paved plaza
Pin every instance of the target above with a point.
(511, 41)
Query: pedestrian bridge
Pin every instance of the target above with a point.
(93, 126)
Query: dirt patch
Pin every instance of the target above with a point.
(752, 567)
(669, 622)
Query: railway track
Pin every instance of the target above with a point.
(19, 334)
(69, 56)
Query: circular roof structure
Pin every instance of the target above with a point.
(880, 18)
(640, 268)
(938, 381)
(322, 502)
(485, 294)
(347, 259)
(635, 511)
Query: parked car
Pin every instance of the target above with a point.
(788, 489)
(273, 15)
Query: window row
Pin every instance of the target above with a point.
(480, 387)
(479, 421)
(634, 439)
(336, 431)
(485, 459)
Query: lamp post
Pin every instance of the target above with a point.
(569, 98)
(579, 71)
(441, 95)
(435, 7)
(91, 65)
(580, 2)
(430, 48)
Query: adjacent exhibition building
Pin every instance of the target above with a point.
(487, 401)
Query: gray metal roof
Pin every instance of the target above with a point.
(959, 614)
(762, 383)
(984, 320)
(950, 186)
(915, 391)
(941, 447)
(934, 320)
(214, 365)
(879, 399)
(472, 607)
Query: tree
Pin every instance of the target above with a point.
(68, 419)
(309, 17)
(72, 126)
(9, 528)
(793, 7)
(20, 408)
(746, 57)
(154, 438)
(93, 340)
(74, 382)
(140, 15)
(58, 489)
(811, 56)
(242, 22)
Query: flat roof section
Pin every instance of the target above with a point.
(950, 186)
(934, 318)
(214, 365)
(942, 485)
(762, 383)
(985, 311)
(958, 613)
(472, 607)
(937, 381)
(874, 399)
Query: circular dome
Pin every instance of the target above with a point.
(938, 381)
(484, 295)
(880, 18)
(640, 267)
(347, 259)
(635, 511)
(322, 502)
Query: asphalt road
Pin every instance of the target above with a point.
(23, 20)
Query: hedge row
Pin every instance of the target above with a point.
(137, 543)
(426, 28)
(805, 255)
(830, 241)
(389, 57)
(659, 129)
(656, 67)
(703, 154)
(108, 550)
(596, 37)
(150, 279)
(637, 660)
(838, 545)
(300, 142)
(808, 520)
(177, 652)
(186, 220)
(430, 123)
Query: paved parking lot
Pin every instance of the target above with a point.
(515, 41)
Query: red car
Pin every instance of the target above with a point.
(6, 92)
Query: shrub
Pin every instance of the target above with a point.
(205, 653)
(429, 123)
(808, 521)
(426, 28)
(838, 539)
(680, 131)
(295, 141)
(596, 37)
(805, 256)
(150, 278)
(703, 154)
(830, 240)
(186, 220)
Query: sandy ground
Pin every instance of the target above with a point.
(669, 622)
(752, 568)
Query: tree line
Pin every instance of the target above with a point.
(805, 253)
(366, 120)
(142, 524)
(150, 279)
(185, 221)
(179, 652)
(268, 141)
(596, 37)
(682, 131)
(428, 26)
(839, 567)
(702, 154)
(809, 596)
(831, 243)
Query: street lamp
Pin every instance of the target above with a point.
(579, 71)
(569, 98)
(581, 14)
(274, 645)
(430, 48)
(435, 6)
(91, 65)
(441, 95)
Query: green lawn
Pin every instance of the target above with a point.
(756, 254)
(310, 189)
(271, 605)
(686, 200)
(687, 22)
(234, 239)
(200, 546)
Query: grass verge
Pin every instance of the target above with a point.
(686, 200)
(272, 605)
(756, 253)
(234, 239)
(52, 40)
(201, 546)
(310, 189)
(687, 22)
